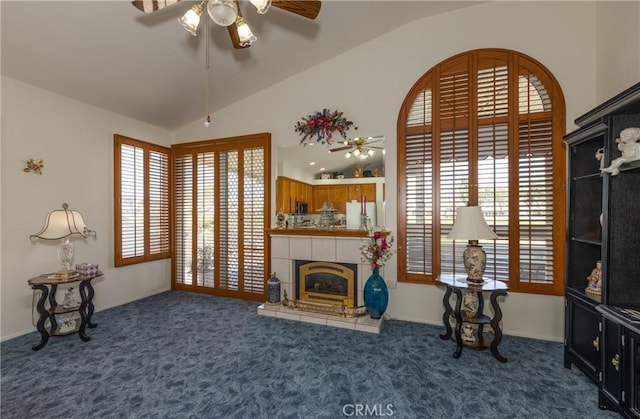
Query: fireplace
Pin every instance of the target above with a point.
(321, 245)
(326, 282)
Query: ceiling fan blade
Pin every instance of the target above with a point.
(150, 6)
(340, 148)
(371, 140)
(305, 8)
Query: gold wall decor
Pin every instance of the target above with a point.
(34, 166)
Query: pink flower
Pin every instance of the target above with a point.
(377, 250)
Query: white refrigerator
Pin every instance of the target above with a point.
(353, 214)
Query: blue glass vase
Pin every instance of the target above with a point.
(376, 295)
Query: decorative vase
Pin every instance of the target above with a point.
(470, 304)
(376, 295)
(273, 290)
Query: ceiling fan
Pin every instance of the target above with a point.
(361, 147)
(227, 13)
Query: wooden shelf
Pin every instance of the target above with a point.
(334, 232)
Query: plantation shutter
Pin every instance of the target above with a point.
(221, 208)
(418, 189)
(454, 159)
(141, 179)
(183, 258)
(229, 203)
(158, 207)
(254, 219)
(205, 227)
(492, 98)
(132, 201)
(480, 129)
(536, 197)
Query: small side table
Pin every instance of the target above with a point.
(457, 284)
(48, 285)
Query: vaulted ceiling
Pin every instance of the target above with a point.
(147, 67)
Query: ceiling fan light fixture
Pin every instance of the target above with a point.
(222, 12)
(348, 155)
(370, 152)
(191, 19)
(356, 152)
(262, 6)
(245, 35)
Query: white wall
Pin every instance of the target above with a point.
(617, 47)
(76, 143)
(370, 82)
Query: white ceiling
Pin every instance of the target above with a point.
(113, 56)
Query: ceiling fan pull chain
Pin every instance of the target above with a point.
(207, 120)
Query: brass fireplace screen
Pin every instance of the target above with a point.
(326, 282)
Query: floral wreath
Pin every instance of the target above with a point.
(320, 127)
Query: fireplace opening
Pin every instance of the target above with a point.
(326, 282)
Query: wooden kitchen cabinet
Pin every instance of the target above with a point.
(358, 190)
(289, 191)
(339, 195)
(283, 197)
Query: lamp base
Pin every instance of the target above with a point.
(472, 281)
(475, 262)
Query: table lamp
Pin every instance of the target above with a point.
(59, 225)
(471, 225)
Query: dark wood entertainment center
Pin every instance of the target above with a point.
(602, 336)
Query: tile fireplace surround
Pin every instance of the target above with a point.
(286, 249)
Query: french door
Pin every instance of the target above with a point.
(220, 197)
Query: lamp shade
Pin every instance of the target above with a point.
(246, 37)
(62, 223)
(470, 225)
(222, 12)
(261, 5)
(191, 19)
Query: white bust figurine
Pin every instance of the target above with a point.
(629, 145)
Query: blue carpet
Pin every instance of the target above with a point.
(183, 355)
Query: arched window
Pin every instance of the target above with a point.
(484, 128)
